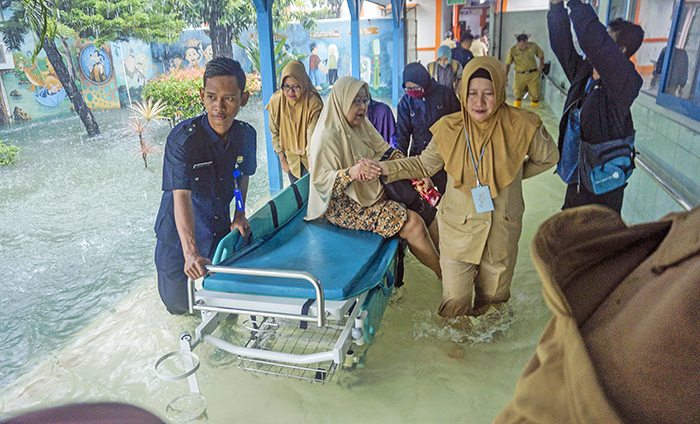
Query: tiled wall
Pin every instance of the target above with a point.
(667, 141)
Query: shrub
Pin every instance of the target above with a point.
(179, 91)
(253, 83)
(8, 153)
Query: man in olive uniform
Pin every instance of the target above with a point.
(527, 74)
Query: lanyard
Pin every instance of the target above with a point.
(236, 191)
(476, 165)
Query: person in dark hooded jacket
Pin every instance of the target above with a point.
(424, 103)
(603, 87)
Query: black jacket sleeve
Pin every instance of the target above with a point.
(562, 42)
(404, 127)
(616, 71)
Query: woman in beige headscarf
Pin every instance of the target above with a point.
(347, 191)
(487, 149)
(294, 110)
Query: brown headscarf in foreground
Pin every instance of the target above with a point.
(623, 344)
(293, 117)
(335, 146)
(87, 413)
(506, 133)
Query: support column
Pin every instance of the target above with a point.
(269, 85)
(355, 7)
(399, 53)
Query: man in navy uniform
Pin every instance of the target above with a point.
(206, 160)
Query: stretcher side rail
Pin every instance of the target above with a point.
(320, 318)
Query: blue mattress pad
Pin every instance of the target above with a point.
(347, 262)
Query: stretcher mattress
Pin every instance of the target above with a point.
(347, 262)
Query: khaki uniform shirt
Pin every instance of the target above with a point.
(294, 159)
(478, 48)
(449, 43)
(524, 60)
(469, 234)
(622, 344)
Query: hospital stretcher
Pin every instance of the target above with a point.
(310, 294)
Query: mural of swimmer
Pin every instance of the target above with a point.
(98, 72)
(95, 64)
(332, 65)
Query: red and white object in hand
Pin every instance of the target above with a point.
(432, 195)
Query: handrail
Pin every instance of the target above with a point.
(668, 187)
(301, 275)
(555, 85)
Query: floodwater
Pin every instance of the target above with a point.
(82, 320)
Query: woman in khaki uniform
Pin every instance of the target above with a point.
(480, 215)
(294, 111)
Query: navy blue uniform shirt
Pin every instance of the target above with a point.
(196, 160)
(462, 55)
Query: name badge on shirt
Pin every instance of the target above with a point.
(482, 199)
(201, 165)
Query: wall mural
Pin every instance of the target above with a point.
(112, 76)
(133, 67)
(32, 87)
(192, 50)
(98, 83)
(329, 49)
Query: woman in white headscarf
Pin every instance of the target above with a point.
(294, 110)
(345, 190)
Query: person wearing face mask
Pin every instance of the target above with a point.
(346, 191)
(424, 103)
(294, 110)
(487, 149)
(445, 70)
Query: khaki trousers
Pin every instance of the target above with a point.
(527, 82)
(486, 283)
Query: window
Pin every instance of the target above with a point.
(680, 82)
(618, 9)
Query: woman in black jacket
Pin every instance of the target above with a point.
(424, 103)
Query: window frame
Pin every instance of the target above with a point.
(685, 107)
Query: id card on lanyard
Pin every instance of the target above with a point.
(481, 195)
(237, 194)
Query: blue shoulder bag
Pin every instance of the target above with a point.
(605, 166)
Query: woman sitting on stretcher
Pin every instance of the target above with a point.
(346, 191)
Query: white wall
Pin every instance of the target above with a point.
(471, 19)
(655, 17)
(425, 13)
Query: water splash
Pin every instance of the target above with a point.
(470, 330)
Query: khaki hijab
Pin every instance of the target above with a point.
(293, 118)
(336, 146)
(505, 135)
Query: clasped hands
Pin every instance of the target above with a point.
(367, 170)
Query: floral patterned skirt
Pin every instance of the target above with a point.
(385, 217)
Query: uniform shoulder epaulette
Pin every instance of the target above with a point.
(245, 125)
(185, 129)
(246, 128)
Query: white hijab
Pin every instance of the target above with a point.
(336, 145)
